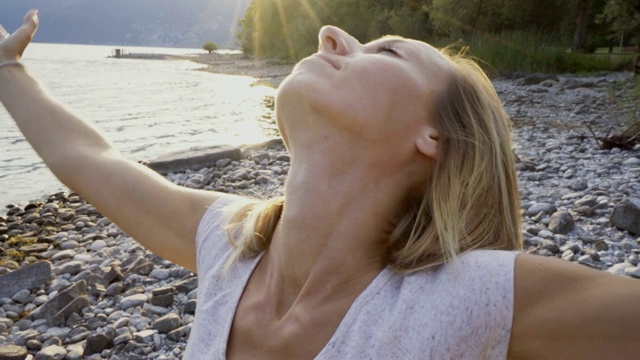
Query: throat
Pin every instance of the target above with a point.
(299, 327)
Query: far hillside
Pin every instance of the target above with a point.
(168, 23)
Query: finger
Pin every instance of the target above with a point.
(32, 16)
(3, 33)
(31, 20)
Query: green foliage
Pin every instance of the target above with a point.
(509, 35)
(622, 16)
(464, 18)
(289, 28)
(210, 46)
(529, 52)
(626, 96)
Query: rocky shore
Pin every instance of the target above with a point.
(74, 286)
(269, 72)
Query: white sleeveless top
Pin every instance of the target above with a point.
(462, 310)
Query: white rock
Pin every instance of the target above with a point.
(97, 245)
(64, 254)
(632, 162)
(619, 269)
(633, 272)
(132, 301)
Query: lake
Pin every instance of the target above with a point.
(146, 108)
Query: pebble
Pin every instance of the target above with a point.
(133, 300)
(143, 307)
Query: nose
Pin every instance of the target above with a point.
(335, 40)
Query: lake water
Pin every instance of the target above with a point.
(146, 108)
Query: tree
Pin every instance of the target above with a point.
(466, 18)
(622, 18)
(210, 46)
(582, 23)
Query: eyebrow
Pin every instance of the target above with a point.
(392, 39)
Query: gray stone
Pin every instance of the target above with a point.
(626, 216)
(195, 158)
(601, 245)
(114, 289)
(162, 300)
(72, 267)
(144, 336)
(162, 291)
(538, 78)
(34, 248)
(223, 163)
(75, 306)
(132, 301)
(578, 185)
(27, 277)
(190, 306)
(122, 338)
(156, 310)
(97, 245)
(59, 332)
(21, 337)
(13, 352)
(52, 352)
(63, 255)
(49, 309)
(620, 269)
(34, 344)
(160, 274)
(110, 274)
(544, 208)
(22, 296)
(549, 245)
(69, 245)
(187, 285)
(96, 343)
(561, 222)
(177, 334)
(167, 323)
(633, 272)
(144, 268)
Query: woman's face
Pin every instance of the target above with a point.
(379, 91)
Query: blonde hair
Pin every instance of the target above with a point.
(472, 201)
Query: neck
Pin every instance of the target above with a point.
(333, 231)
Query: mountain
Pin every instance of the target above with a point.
(171, 23)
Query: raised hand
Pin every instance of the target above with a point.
(13, 45)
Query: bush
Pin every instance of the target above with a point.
(210, 46)
(530, 52)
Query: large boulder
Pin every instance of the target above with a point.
(194, 158)
(626, 216)
(27, 277)
(62, 305)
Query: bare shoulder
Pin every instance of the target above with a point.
(564, 310)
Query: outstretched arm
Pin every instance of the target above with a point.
(160, 215)
(568, 311)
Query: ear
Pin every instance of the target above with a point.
(427, 142)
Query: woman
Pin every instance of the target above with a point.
(400, 232)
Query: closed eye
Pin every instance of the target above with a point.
(388, 49)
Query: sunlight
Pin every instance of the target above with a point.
(285, 28)
(312, 14)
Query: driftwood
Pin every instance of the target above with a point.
(625, 140)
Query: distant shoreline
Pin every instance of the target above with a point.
(269, 72)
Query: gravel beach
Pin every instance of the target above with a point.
(74, 286)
